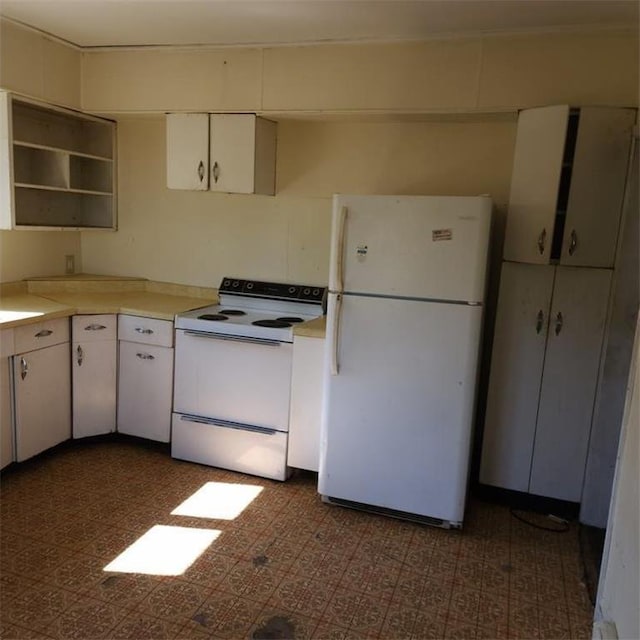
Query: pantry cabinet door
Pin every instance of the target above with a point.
(232, 158)
(597, 186)
(188, 151)
(576, 329)
(537, 166)
(516, 370)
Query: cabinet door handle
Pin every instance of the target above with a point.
(573, 242)
(539, 321)
(145, 356)
(80, 355)
(94, 327)
(24, 368)
(201, 171)
(146, 332)
(559, 322)
(542, 241)
(215, 172)
(44, 333)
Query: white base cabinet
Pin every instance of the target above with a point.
(145, 381)
(306, 403)
(544, 368)
(42, 387)
(94, 357)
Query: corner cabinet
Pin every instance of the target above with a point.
(567, 185)
(229, 153)
(544, 369)
(57, 167)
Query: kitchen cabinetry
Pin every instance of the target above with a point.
(567, 186)
(544, 368)
(93, 356)
(42, 387)
(57, 167)
(145, 377)
(232, 153)
(306, 403)
(6, 421)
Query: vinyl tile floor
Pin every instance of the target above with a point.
(224, 555)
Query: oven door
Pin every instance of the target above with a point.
(231, 378)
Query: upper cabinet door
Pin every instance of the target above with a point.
(537, 167)
(597, 186)
(188, 151)
(233, 144)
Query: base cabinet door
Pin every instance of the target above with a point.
(6, 423)
(93, 365)
(306, 403)
(145, 386)
(516, 372)
(42, 389)
(578, 314)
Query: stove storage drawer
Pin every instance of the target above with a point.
(232, 378)
(259, 452)
(145, 330)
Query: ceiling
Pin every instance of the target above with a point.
(99, 23)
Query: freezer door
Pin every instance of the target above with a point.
(398, 407)
(410, 246)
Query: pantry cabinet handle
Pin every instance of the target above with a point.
(146, 332)
(542, 241)
(44, 333)
(24, 368)
(573, 242)
(201, 171)
(215, 172)
(145, 356)
(539, 321)
(559, 322)
(94, 327)
(80, 355)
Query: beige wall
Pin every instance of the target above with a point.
(24, 254)
(197, 237)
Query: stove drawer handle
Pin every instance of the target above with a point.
(223, 336)
(146, 332)
(239, 426)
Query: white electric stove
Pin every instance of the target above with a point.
(233, 375)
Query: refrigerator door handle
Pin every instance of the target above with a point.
(335, 335)
(340, 257)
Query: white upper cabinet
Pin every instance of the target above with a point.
(567, 185)
(57, 167)
(230, 153)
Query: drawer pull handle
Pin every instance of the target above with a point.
(44, 333)
(573, 242)
(146, 332)
(201, 171)
(94, 327)
(216, 172)
(145, 356)
(539, 321)
(542, 241)
(559, 322)
(24, 368)
(80, 355)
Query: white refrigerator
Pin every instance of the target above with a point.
(404, 322)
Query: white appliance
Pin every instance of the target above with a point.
(232, 382)
(404, 321)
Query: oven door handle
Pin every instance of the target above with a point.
(223, 336)
(225, 424)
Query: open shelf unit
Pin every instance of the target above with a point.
(57, 167)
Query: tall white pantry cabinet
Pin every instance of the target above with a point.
(567, 189)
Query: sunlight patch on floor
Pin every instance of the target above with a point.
(164, 551)
(218, 500)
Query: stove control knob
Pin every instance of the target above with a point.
(292, 289)
(307, 291)
(249, 285)
(236, 284)
(226, 283)
(316, 292)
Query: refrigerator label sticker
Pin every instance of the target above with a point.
(441, 234)
(361, 251)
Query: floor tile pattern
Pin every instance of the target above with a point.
(288, 566)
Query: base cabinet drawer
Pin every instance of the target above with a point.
(145, 386)
(258, 453)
